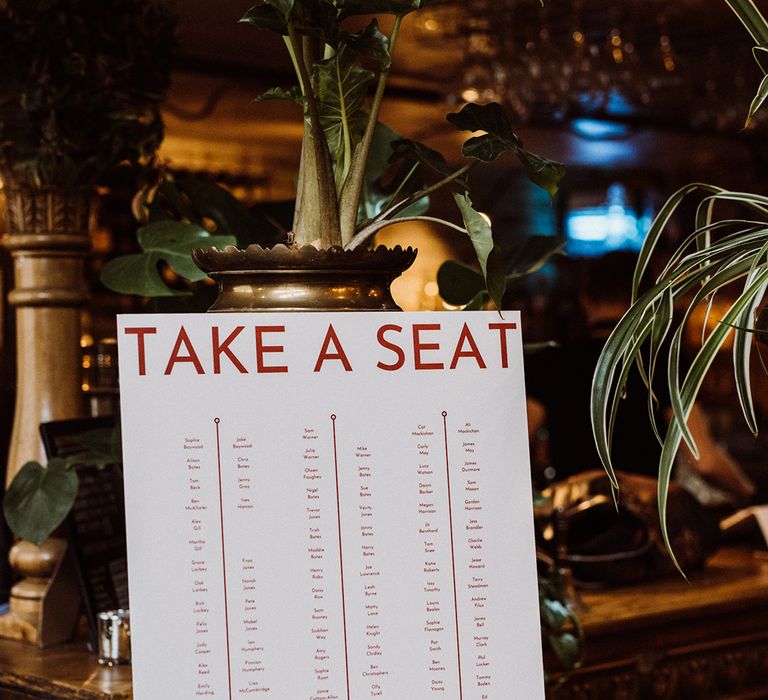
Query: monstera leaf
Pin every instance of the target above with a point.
(499, 137)
(39, 499)
(164, 241)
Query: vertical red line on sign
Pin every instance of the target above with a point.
(341, 554)
(453, 553)
(223, 556)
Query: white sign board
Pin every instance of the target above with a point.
(329, 507)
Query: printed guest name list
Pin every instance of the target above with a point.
(329, 506)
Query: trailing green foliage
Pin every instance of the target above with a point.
(80, 87)
(721, 253)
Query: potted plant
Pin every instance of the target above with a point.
(356, 176)
(722, 251)
(80, 89)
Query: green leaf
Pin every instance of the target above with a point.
(315, 18)
(39, 499)
(752, 19)
(459, 284)
(481, 235)
(278, 93)
(267, 18)
(495, 277)
(478, 302)
(531, 254)
(760, 54)
(415, 152)
(284, 7)
(372, 7)
(500, 138)
(372, 43)
(541, 171)
(340, 85)
(490, 118)
(759, 99)
(168, 241)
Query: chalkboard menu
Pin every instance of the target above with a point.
(96, 524)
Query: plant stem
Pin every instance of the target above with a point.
(353, 185)
(388, 213)
(317, 212)
(295, 63)
(400, 187)
(366, 233)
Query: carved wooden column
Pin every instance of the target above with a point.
(48, 239)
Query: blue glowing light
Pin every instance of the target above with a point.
(593, 231)
(599, 129)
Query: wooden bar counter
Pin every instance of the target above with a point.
(667, 639)
(673, 639)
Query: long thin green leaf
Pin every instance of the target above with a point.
(751, 18)
(742, 346)
(758, 100)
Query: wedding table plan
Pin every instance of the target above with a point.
(329, 506)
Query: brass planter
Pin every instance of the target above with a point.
(288, 278)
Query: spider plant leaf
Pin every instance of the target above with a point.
(293, 94)
(499, 137)
(662, 322)
(751, 18)
(171, 242)
(742, 346)
(266, 17)
(39, 499)
(415, 152)
(458, 283)
(758, 100)
(626, 338)
(372, 43)
(760, 54)
(657, 228)
(489, 256)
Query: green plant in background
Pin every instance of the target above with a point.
(80, 87)
(357, 176)
(39, 498)
(721, 252)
